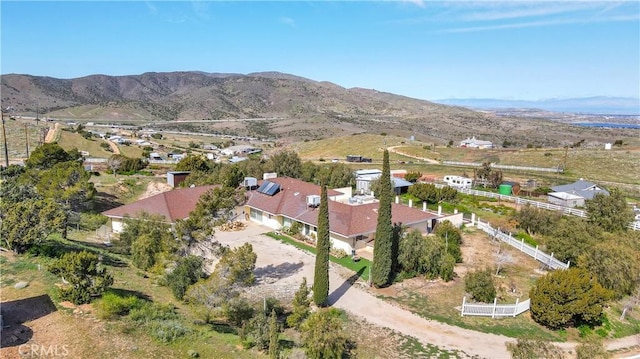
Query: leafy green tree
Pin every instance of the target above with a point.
(153, 227)
(145, 251)
(231, 176)
(571, 238)
(193, 163)
(616, 265)
(413, 176)
(274, 334)
(323, 335)
(488, 176)
(237, 265)
(480, 285)
(48, 155)
(259, 330)
(238, 310)
(567, 297)
(30, 222)
(611, 213)
(447, 267)
(535, 220)
(187, 272)
(382, 268)
(87, 278)
(433, 257)
(286, 164)
(15, 190)
(426, 192)
(67, 183)
(412, 252)
(452, 239)
(308, 171)
(300, 304)
(323, 246)
(534, 349)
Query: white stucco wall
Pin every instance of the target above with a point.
(117, 225)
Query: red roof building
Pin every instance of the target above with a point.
(172, 205)
(351, 224)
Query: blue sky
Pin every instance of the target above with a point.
(423, 49)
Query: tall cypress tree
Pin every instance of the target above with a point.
(323, 245)
(382, 269)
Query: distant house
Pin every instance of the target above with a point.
(172, 205)
(575, 194)
(280, 202)
(364, 178)
(472, 142)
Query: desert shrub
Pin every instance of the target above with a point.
(150, 312)
(112, 305)
(480, 285)
(167, 331)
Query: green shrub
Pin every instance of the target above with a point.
(112, 305)
(149, 312)
(480, 285)
(168, 331)
(92, 221)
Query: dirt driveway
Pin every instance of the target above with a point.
(280, 269)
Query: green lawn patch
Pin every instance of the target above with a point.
(361, 266)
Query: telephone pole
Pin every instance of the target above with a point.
(4, 136)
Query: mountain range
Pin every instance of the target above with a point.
(292, 107)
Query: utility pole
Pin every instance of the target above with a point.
(26, 136)
(4, 136)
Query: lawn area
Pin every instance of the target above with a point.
(361, 266)
(70, 140)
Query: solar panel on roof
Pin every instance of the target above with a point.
(269, 188)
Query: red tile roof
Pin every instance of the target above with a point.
(344, 219)
(172, 205)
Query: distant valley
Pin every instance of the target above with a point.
(289, 108)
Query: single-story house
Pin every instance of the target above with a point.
(172, 205)
(475, 143)
(280, 202)
(365, 177)
(584, 189)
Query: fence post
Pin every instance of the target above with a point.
(439, 209)
(568, 264)
(515, 308)
(397, 199)
(521, 243)
(424, 206)
(410, 203)
(473, 218)
(535, 256)
(464, 300)
(493, 312)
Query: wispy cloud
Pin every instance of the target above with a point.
(153, 10)
(419, 3)
(201, 9)
(540, 23)
(288, 21)
(470, 16)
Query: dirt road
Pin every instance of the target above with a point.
(428, 160)
(52, 133)
(280, 269)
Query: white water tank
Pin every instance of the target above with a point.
(313, 200)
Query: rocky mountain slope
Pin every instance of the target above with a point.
(297, 108)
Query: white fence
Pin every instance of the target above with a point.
(495, 309)
(505, 167)
(525, 248)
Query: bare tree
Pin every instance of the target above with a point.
(114, 162)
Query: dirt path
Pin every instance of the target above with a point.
(154, 188)
(428, 160)
(52, 133)
(114, 147)
(280, 269)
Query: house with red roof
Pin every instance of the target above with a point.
(172, 205)
(280, 202)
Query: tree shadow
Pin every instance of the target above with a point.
(286, 344)
(222, 327)
(344, 287)
(17, 312)
(103, 201)
(271, 273)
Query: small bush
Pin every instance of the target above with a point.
(480, 285)
(168, 331)
(112, 305)
(92, 221)
(153, 311)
